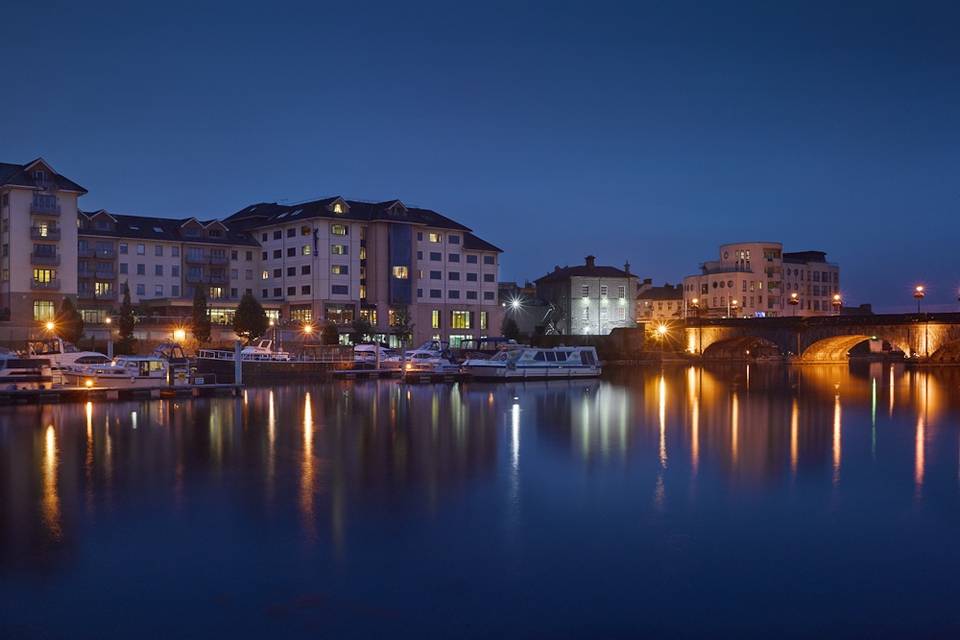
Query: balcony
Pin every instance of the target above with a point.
(99, 274)
(45, 205)
(194, 278)
(104, 254)
(105, 295)
(44, 233)
(45, 259)
(217, 279)
(219, 260)
(50, 285)
(86, 252)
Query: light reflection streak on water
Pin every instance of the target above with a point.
(271, 440)
(919, 456)
(515, 435)
(51, 498)
(735, 428)
(694, 396)
(873, 417)
(891, 390)
(88, 459)
(836, 439)
(662, 415)
(794, 436)
(307, 471)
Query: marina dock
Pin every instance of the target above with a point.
(85, 394)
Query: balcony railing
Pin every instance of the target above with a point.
(48, 285)
(217, 279)
(45, 259)
(86, 252)
(104, 254)
(219, 260)
(44, 233)
(106, 295)
(193, 258)
(194, 278)
(45, 206)
(100, 274)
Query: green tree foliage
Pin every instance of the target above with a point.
(200, 321)
(360, 331)
(329, 335)
(69, 322)
(509, 328)
(125, 323)
(250, 322)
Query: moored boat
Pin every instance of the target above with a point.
(534, 363)
(24, 373)
(124, 371)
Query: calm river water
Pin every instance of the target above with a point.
(760, 501)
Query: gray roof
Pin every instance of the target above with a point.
(17, 175)
(168, 229)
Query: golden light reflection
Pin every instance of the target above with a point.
(271, 438)
(836, 439)
(515, 435)
(51, 498)
(662, 415)
(891, 391)
(694, 420)
(794, 436)
(735, 428)
(918, 453)
(307, 471)
(88, 458)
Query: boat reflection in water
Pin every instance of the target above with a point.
(378, 503)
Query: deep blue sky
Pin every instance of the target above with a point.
(648, 132)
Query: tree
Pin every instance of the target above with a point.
(402, 327)
(360, 330)
(69, 322)
(250, 320)
(509, 328)
(330, 335)
(126, 322)
(200, 322)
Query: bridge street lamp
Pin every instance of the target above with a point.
(919, 293)
(695, 305)
(731, 305)
(794, 301)
(837, 303)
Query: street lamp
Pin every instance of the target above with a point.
(794, 301)
(307, 329)
(50, 325)
(695, 305)
(919, 293)
(837, 303)
(179, 335)
(108, 320)
(732, 305)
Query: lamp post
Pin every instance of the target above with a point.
(732, 307)
(695, 305)
(919, 293)
(837, 303)
(794, 301)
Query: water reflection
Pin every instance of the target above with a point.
(51, 500)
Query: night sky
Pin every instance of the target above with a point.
(642, 132)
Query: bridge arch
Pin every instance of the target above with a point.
(741, 348)
(947, 353)
(836, 348)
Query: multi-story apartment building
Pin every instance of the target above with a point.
(334, 260)
(756, 279)
(659, 303)
(162, 260)
(38, 260)
(329, 260)
(589, 299)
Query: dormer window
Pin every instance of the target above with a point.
(40, 176)
(338, 207)
(215, 233)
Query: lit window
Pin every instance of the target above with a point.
(433, 237)
(306, 250)
(338, 229)
(483, 320)
(339, 269)
(435, 319)
(264, 275)
(338, 249)
(401, 272)
(43, 310)
(585, 291)
(459, 319)
(338, 207)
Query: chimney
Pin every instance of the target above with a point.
(591, 261)
(648, 281)
(626, 267)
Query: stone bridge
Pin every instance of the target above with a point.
(932, 337)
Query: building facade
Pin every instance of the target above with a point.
(759, 279)
(659, 304)
(404, 269)
(588, 299)
(38, 234)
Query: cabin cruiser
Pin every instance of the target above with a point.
(536, 363)
(367, 354)
(427, 361)
(62, 354)
(263, 350)
(476, 348)
(439, 348)
(124, 371)
(24, 373)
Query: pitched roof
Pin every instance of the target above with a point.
(169, 229)
(270, 213)
(471, 241)
(585, 271)
(666, 292)
(17, 175)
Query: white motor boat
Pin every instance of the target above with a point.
(428, 362)
(62, 355)
(263, 350)
(536, 363)
(124, 371)
(24, 373)
(366, 354)
(439, 348)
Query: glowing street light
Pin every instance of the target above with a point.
(662, 330)
(179, 335)
(516, 304)
(307, 329)
(50, 325)
(837, 303)
(794, 301)
(919, 292)
(108, 320)
(732, 307)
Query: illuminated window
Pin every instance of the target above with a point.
(103, 288)
(338, 229)
(483, 320)
(339, 269)
(44, 276)
(306, 250)
(585, 291)
(363, 291)
(435, 319)
(301, 315)
(370, 315)
(433, 237)
(216, 292)
(264, 275)
(401, 272)
(338, 249)
(43, 310)
(338, 207)
(459, 319)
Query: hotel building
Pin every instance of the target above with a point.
(589, 299)
(758, 279)
(661, 304)
(329, 260)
